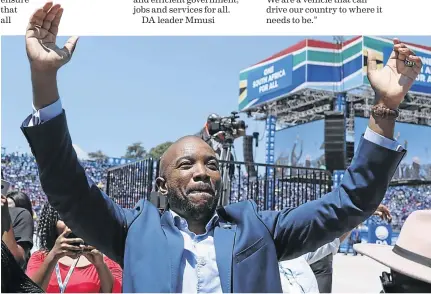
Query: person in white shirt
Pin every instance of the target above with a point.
(296, 274)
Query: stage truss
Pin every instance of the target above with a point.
(307, 105)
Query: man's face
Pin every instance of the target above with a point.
(191, 178)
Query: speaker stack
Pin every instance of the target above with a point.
(335, 141)
(350, 152)
(248, 155)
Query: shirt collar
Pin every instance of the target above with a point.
(182, 225)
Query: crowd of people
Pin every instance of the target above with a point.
(403, 200)
(284, 191)
(21, 170)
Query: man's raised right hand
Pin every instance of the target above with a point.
(44, 55)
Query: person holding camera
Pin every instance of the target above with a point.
(217, 130)
(197, 245)
(65, 264)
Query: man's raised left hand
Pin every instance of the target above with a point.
(392, 83)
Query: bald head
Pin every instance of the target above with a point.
(190, 178)
(181, 147)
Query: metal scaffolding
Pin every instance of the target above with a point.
(308, 105)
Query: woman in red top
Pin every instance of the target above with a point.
(64, 265)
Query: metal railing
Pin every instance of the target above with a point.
(272, 187)
(129, 183)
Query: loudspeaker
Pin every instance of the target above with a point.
(335, 141)
(350, 152)
(248, 155)
(248, 148)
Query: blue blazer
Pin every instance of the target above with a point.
(248, 243)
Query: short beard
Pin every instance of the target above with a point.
(186, 209)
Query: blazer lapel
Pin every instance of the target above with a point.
(224, 240)
(176, 247)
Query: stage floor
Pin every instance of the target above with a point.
(356, 274)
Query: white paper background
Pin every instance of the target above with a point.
(114, 17)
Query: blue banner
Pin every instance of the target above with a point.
(423, 81)
(270, 78)
(380, 234)
(337, 177)
(118, 161)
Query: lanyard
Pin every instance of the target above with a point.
(296, 287)
(62, 285)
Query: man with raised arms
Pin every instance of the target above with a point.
(195, 246)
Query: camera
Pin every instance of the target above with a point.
(73, 236)
(229, 124)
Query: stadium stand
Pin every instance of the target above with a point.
(21, 170)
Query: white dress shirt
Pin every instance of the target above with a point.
(296, 274)
(199, 268)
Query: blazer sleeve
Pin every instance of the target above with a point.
(88, 211)
(309, 226)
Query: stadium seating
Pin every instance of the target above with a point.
(21, 170)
